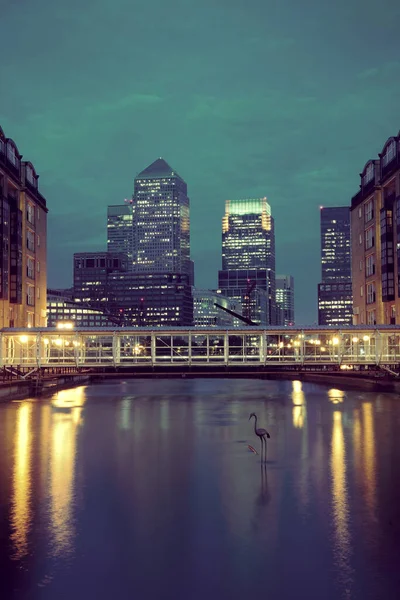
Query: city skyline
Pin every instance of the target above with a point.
(262, 109)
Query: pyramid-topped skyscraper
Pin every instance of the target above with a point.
(161, 224)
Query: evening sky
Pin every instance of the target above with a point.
(286, 99)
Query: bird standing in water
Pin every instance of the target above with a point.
(262, 434)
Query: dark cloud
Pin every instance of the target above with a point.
(263, 98)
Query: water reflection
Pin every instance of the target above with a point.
(369, 459)
(66, 418)
(21, 509)
(336, 396)
(342, 540)
(299, 408)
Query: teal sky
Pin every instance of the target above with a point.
(283, 99)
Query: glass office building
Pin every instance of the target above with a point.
(248, 258)
(120, 229)
(161, 223)
(335, 299)
(284, 300)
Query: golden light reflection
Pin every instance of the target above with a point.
(336, 396)
(66, 418)
(21, 509)
(299, 408)
(369, 455)
(340, 498)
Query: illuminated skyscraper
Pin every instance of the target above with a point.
(335, 300)
(248, 258)
(120, 229)
(284, 300)
(161, 246)
(335, 243)
(161, 225)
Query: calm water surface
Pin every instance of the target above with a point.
(147, 489)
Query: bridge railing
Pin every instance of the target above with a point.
(127, 347)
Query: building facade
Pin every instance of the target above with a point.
(284, 300)
(120, 230)
(248, 258)
(161, 249)
(151, 299)
(23, 229)
(61, 308)
(207, 314)
(335, 301)
(161, 221)
(91, 277)
(375, 231)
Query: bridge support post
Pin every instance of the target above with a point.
(262, 347)
(226, 348)
(116, 349)
(378, 347)
(340, 348)
(38, 342)
(153, 348)
(302, 347)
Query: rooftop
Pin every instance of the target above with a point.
(158, 170)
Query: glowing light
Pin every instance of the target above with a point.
(355, 340)
(58, 342)
(366, 338)
(340, 496)
(23, 339)
(65, 325)
(21, 511)
(335, 341)
(298, 400)
(45, 341)
(336, 396)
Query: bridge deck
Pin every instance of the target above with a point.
(349, 347)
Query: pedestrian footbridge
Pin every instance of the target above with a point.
(66, 346)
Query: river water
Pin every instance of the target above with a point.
(147, 490)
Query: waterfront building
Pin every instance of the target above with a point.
(23, 221)
(335, 300)
(375, 234)
(120, 230)
(207, 314)
(61, 308)
(284, 300)
(248, 258)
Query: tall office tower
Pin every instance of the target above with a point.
(23, 221)
(284, 300)
(248, 258)
(120, 229)
(161, 224)
(161, 243)
(335, 300)
(375, 238)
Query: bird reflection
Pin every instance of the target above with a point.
(262, 499)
